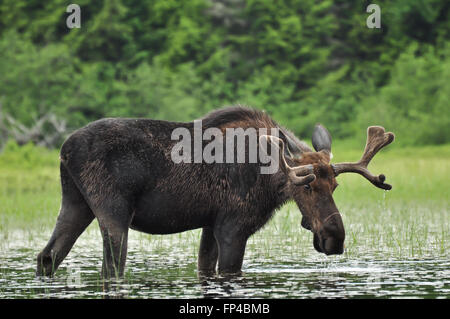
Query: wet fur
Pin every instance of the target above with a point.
(120, 171)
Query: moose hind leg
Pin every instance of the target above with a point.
(74, 216)
(208, 252)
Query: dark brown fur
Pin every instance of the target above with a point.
(120, 172)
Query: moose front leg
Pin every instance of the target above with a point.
(231, 250)
(208, 252)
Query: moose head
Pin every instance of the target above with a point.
(312, 181)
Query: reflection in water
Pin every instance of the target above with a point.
(216, 286)
(157, 268)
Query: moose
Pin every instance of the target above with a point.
(120, 171)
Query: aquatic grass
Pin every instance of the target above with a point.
(411, 222)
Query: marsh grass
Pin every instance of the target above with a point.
(412, 220)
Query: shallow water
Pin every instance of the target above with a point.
(165, 267)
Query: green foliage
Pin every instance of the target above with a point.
(34, 79)
(30, 190)
(27, 156)
(302, 61)
(415, 101)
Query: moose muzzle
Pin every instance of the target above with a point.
(330, 237)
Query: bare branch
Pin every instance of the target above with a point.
(46, 130)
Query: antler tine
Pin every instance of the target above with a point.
(377, 138)
(305, 171)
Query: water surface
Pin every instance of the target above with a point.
(165, 267)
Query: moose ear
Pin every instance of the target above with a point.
(292, 150)
(298, 175)
(321, 138)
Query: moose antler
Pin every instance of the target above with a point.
(376, 140)
(305, 171)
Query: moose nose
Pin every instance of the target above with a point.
(332, 246)
(333, 235)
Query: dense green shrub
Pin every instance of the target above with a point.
(415, 102)
(302, 61)
(27, 156)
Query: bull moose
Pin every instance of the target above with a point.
(120, 171)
